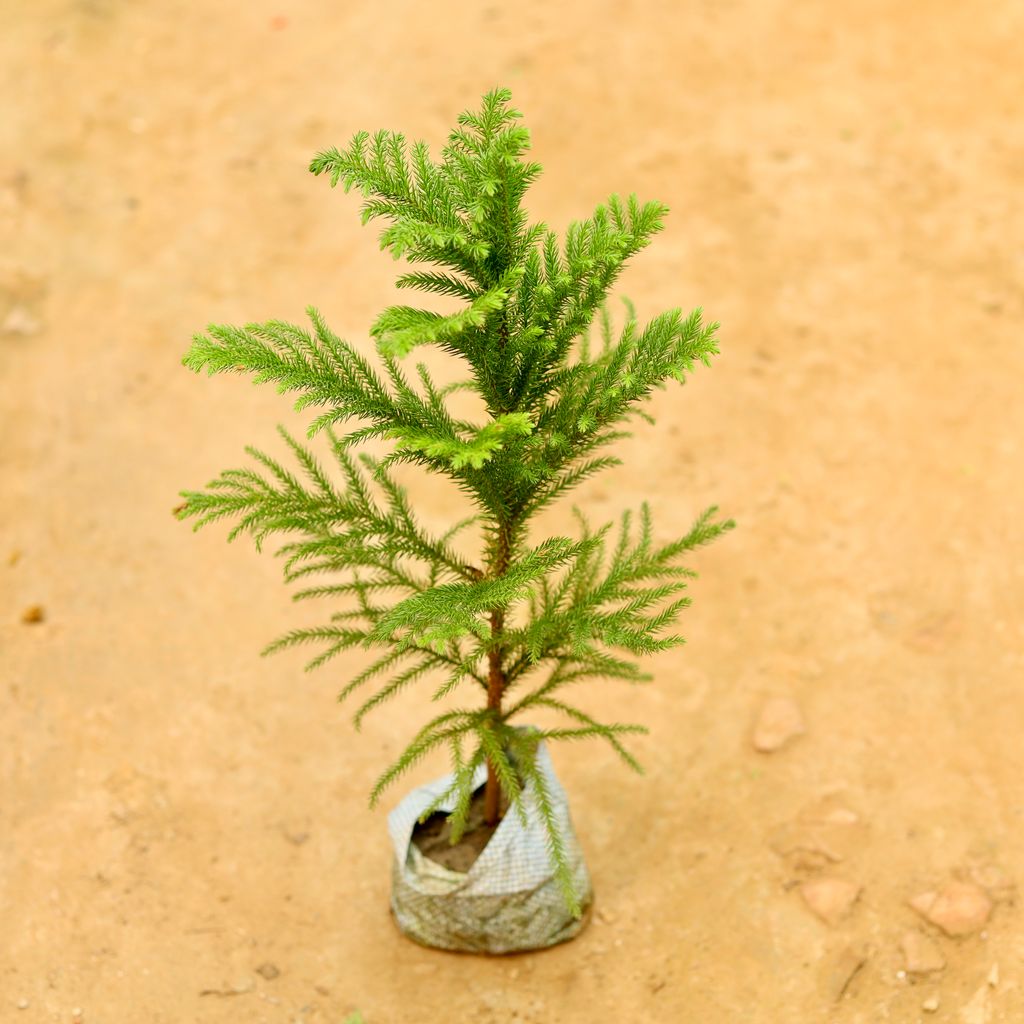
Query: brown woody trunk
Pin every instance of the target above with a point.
(495, 685)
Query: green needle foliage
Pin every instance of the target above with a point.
(529, 302)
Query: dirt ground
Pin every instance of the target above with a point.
(177, 813)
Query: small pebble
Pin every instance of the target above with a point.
(22, 1004)
(979, 1009)
(830, 811)
(294, 836)
(19, 321)
(931, 1004)
(920, 954)
(33, 614)
(993, 879)
(830, 898)
(268, 971)
(961, 908)
(841, 969)
(825, 831)
(779, 722)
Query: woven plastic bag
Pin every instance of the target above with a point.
(509, 900)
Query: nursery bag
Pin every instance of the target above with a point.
(509, 899)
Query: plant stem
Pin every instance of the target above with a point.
(496, 679)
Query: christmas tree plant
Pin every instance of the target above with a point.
(528, 301)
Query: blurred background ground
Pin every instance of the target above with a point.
(845, 183)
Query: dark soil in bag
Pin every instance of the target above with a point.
(433, 837)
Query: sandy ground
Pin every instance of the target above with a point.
(176, 812)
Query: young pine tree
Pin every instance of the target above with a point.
(552, 405)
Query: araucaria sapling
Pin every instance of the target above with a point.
(523, 334)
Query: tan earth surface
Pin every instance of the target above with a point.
(183, 826)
